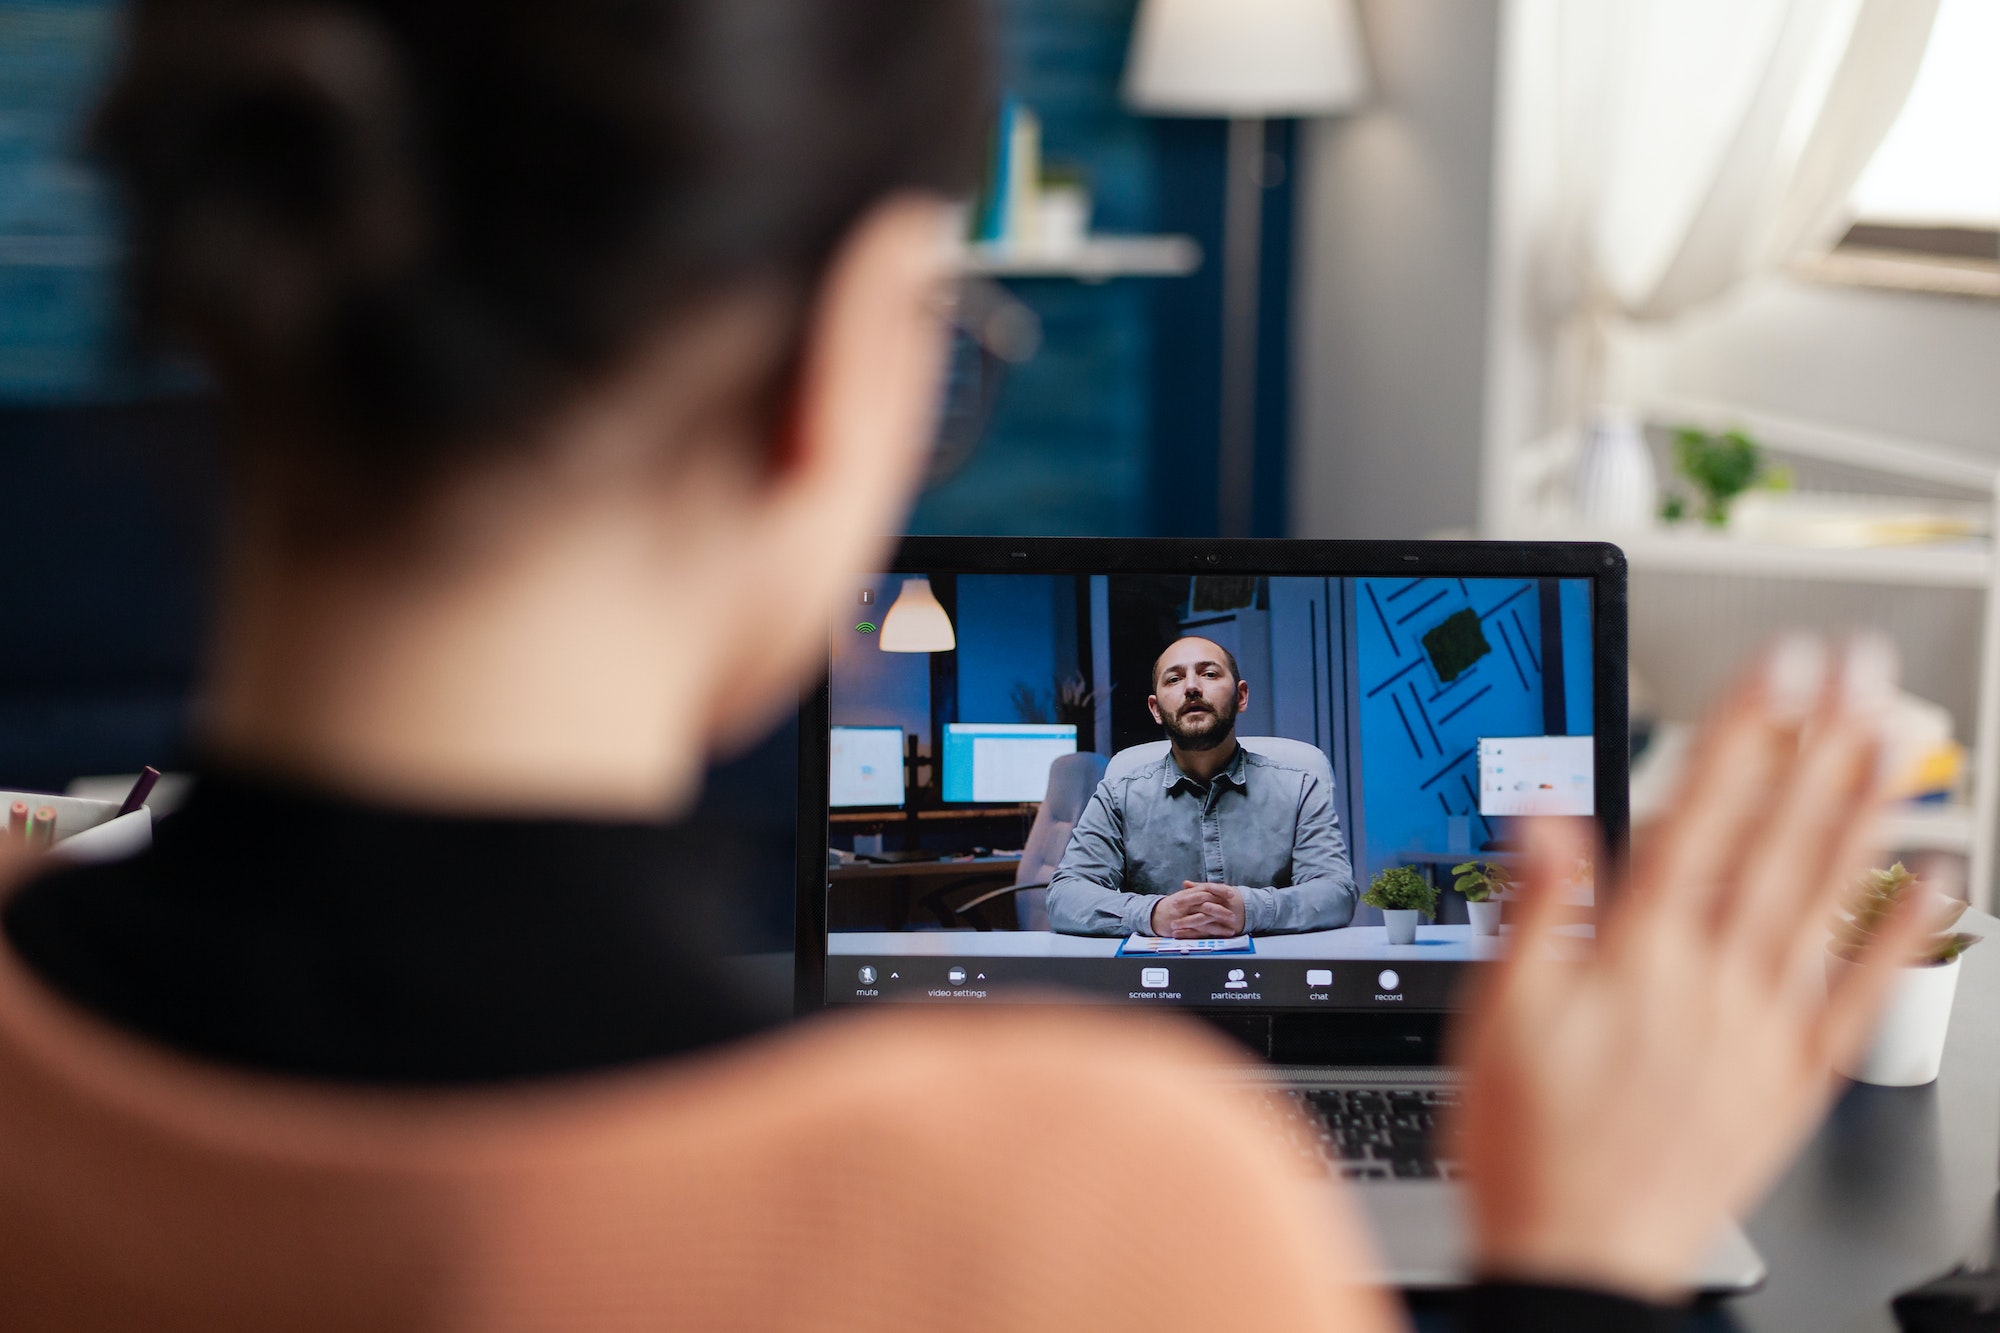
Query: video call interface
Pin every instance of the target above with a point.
(1282, 792)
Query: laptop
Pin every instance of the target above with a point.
(1433, 693)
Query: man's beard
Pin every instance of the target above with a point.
(1208, 729)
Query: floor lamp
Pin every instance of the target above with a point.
(1246, 61)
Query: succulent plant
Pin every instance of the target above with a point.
(1877, 896)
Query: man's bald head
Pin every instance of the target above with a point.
(1190, 653)
(1197, 692)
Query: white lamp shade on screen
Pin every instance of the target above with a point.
(1245, 58)
(916, 623)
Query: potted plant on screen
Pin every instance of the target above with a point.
(1482, 883)
(1403, 894)
(1909, 1039)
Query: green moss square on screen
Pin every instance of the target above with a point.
(1455, 643)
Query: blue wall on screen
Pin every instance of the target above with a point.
(1419, 735)
(868, 687)
(1578, 684)
(1014, 630)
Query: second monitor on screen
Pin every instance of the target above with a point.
(1002, 762)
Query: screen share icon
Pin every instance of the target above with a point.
(1153, 978)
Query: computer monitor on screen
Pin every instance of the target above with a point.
(1537, 775)
(867, 768)
(1002, 762)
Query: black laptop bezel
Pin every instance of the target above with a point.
(1293, 1037)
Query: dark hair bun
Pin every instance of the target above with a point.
(406, 226)
(270, 166)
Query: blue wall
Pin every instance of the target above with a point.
(56, 280)
(1111, 430)
(1420, 736)
(62, 335)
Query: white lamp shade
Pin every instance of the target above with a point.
(1245, 58)
(916, 623)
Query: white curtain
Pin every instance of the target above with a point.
(1704, 141)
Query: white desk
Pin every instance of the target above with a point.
(1435, 944)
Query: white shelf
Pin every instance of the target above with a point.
(1526, 480)
(1098, 258)
(1945, 565)
(1931, 828)
(1911, 827)
(1887, 455)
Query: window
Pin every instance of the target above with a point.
(1927, 209)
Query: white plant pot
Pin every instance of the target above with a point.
(1401, 924)
(1615, 483)
(1908, 1045)
(1485, 917)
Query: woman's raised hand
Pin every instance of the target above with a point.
(1619, 1108)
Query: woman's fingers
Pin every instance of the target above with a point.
(1553, 848)
(1723, 797)
(1855, 999)
(1845, 854)
(1798, 866)
(1824, 813)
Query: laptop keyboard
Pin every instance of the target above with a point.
(1375, 1133)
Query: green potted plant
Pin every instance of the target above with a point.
(1908, 1045)
(1720, 468)
(1482, 883)
(1403, 894)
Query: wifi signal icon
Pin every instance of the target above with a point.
(865, 627)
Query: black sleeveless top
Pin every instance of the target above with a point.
(283, 929)
(289, 930)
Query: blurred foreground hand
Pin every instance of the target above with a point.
(1617, 1110)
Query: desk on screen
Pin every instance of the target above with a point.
(1435, 944)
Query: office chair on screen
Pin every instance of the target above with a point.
(1072, 779)
(1303, 754)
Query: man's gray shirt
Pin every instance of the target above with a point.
(1263, 826)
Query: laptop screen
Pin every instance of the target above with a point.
(1283, 791)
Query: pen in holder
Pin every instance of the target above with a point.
(73, 827)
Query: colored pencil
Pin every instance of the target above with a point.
(140, 790)
(42, 827)
(17, 818)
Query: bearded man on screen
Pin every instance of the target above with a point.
(1211, 839)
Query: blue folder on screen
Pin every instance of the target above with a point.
(1151, 946)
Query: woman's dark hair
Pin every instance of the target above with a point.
(404, 229)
